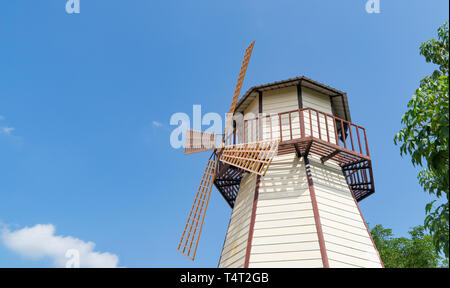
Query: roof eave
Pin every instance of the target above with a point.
(340, 105)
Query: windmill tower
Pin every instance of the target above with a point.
(293, 168)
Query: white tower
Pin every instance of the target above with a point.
(304, 211)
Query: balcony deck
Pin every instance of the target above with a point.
(306, 131)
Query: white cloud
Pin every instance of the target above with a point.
(6, 130)
(40, 241)
(157, 124)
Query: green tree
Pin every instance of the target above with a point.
(425, 136)
(416, 252)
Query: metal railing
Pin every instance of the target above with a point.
(304, 123)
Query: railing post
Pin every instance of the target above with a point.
(359, 140)
(310, 124)
(343, 134)
(302, 123)
(234, 133)
(351, 135)
(326, 125)
(290, 125)
(281, 129)
(335, 131)
(318, 124)
(367, 145)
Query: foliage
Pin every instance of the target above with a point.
(416, 252)
(425, 136)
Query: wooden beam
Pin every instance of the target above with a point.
(300, 95)
(199, 141)
(228, 180)
(323, 250)
(260, 96)
(252, 157)
(228, 184)
(260, 110)
(365, 166)
(297, 150)
(191, 234)
(355, 186)
(329, 156)
(307, 149)
(353, 163)
(252, 223)
(248, 53)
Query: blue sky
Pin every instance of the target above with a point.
(81, 93)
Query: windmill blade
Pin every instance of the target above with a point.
(237, 91)
(253, 157)
(248, 54)
(199, 141)
(191, 234)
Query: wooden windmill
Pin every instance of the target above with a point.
(293, 170)
(251, 157)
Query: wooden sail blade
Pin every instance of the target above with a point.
(237, 91)
(253, 157)
(199, 141)
(191, 234)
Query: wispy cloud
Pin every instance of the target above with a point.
(40, 242)
(157, 124)
(6, 130)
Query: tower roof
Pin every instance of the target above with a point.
(339, 99)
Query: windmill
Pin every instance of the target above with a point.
(303, 211)
(252, 157)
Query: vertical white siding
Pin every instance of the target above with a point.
(280, 100)
(277, 101)
(322, 103)
(235, 246)
(347, 241)
(316, 100)
(251, 112)
(284, 233)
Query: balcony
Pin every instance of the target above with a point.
(304, 131)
